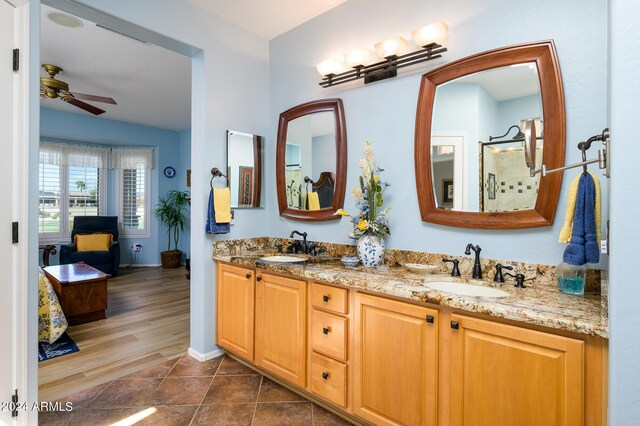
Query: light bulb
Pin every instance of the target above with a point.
(361, 57)
(330, 66)
(433, 33)
(392, 47)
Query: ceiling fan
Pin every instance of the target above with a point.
(52, 88)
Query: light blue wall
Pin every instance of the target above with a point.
(624, 291)
(184, 164)
(68, 127)
(514, 110)
(384, 112)
(488, 116)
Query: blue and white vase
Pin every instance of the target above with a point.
(371, 250)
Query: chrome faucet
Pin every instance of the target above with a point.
(305, 247)
(477, 269)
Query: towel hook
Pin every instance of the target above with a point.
(215, 172)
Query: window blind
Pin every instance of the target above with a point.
(50, 199)
(133, 202)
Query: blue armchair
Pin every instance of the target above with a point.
(106, 261)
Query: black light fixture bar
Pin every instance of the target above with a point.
(385, 69)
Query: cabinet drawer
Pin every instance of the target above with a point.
(329, 379)
(329, 334)
(329, 298)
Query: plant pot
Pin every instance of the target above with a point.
(171, 259)
(371, 250)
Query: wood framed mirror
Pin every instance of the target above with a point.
(244, 169)
(469, 139)
(311, 161)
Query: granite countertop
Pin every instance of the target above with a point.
(535, 304)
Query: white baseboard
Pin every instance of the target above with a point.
(205, 357)
(140, 265)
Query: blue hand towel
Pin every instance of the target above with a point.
(583, 246)
(212, 227)
(591, 246)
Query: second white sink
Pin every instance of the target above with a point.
(466, 289)
(283, 259)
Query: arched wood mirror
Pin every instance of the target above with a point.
(311, 161)
(469, 141)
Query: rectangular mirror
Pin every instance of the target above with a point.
(244, 169)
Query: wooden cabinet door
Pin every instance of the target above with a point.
(506, 375)
(395, 362)
(235, 309)
(281, 327)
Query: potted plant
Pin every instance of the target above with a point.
(172, 211)
(370, 225)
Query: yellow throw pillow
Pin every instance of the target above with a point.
(93, 242)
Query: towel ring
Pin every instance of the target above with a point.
(215, 172)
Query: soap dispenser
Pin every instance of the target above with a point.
(571, 278)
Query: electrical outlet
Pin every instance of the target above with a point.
(136, 247)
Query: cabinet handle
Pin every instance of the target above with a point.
(455, 325)
(258, 278)
(248, 276)
(326, 330)
(430, 319)
(325, 298)
(325, 375)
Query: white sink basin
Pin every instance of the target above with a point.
(283, 259)
(466, 289)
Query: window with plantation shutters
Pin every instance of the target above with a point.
(134, 189)
(50, 204)
(70, 183)
(133, 200)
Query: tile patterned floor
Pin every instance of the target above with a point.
(186, 392)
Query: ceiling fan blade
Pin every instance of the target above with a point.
(85, 106)
(94, 98)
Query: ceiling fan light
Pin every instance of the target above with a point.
(433, 33)
(395, 46)
(330, 66)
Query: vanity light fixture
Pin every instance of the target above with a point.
(389, 56)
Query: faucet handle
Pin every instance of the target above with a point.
(519, 280)
(499, 278)
(455, 272)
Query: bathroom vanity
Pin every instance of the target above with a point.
(380, 347)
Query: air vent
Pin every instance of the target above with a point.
(122, 34)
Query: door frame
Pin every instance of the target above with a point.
(24, 254)
(460, 162)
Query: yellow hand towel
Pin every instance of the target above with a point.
(222, 205)
(314, 201)
(565, 232)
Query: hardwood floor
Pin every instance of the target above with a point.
(147, 323)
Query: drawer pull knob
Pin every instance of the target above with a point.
(258, 278)
(430, 319)
(455, 325)
(325, 375)
(325, 298)
(326, 330)
(248, 276)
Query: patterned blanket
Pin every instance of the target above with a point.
(51, 320)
